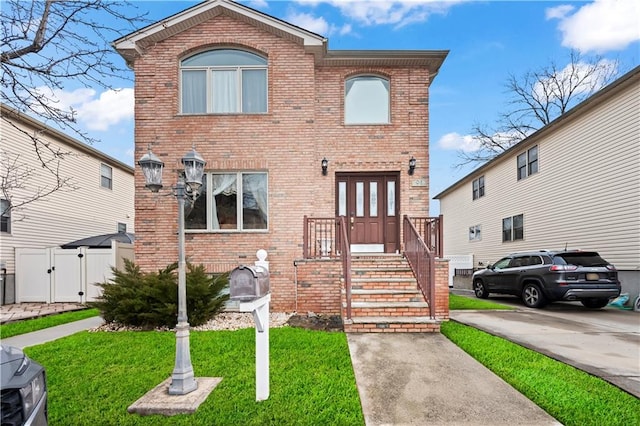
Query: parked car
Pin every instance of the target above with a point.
(24, 389)
(543, 276)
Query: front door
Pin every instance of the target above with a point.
(370, 204)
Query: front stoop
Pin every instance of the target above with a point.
(385, 298)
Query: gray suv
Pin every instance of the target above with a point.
(540, 277)
(24, 389)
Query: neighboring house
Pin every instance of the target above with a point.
(97, 200)
(574, 183)
(288, 129)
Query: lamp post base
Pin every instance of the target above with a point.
(182, 379)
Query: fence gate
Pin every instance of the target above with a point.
(53, 275)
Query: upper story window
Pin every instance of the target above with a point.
(5, 216)
(366, 100)
(223, 81)
(231, 201)
(478, 188)
(528, 162)
(513, 228)
(106, 176)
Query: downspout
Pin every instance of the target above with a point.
(4, 286)
(295, 281)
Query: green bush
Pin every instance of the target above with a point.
(149, 300)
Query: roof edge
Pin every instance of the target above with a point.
(13, 113)
(605, 93)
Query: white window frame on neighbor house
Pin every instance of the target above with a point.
(224, 81)
(367, 100)
(122, 227)
(509, 230)
(106, 176)
(251, 191)
(527, 162)
(478, 188)
(5, 216)
(475, 233)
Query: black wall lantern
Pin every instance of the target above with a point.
(412, 165)
(325, 166)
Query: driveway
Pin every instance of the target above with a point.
(605, 342)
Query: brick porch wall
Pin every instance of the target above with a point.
(319, 287)
(442, 289)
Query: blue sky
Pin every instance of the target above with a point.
(488, 41)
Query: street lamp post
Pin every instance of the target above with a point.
(187, 188)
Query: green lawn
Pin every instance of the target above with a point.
(568, 394)
(27, 326)
(462, 302)
(94, 376)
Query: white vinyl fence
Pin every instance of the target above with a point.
(53, 275)
(464, 261)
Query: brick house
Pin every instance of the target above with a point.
(299, 140)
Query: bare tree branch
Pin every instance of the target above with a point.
(536, 99)
(55, 45)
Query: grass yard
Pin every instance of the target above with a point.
(27, 326)
(457, 302)
(94, 377)
(568, 394)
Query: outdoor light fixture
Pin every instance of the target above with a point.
(187, 188)
(152, 170)
(412, 165)
(325, 165)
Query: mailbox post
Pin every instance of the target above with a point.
(250, 285)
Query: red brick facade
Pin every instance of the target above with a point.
(304, 124)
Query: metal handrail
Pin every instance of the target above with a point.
(430, 229)
(327, 238)
(346, 263)
(422, 262)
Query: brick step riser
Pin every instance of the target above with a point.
(391, 328)
(384, 286)
(386, 298)
(389, 312)
(382, 265)
(382, 274)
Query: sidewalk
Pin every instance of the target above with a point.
(20, 311)
(49, 334)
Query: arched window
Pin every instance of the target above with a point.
(223, 81)
(366, 100)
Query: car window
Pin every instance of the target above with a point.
(580, 259)
(518, 262)
(534, 260)
(502, 263)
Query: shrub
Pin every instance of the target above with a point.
(149, 300)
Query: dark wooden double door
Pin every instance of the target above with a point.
(370, 202)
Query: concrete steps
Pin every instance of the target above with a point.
(385, 297)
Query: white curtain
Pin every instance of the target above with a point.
(222, 184)
(194, 92)
(225, 91)
(254, 91)
(256, 185)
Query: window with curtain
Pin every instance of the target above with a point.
(223, 81)
(366, 100)
(236, 201)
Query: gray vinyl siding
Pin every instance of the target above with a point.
(65, 215)
(586, 194)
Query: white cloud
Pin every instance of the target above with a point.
(309, 22)
(601, 26)
(383, 12)
(110, 108)
(258, 4)
(455, 141)
(590, 80)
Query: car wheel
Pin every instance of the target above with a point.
(480, 290)
(532, 296)
(595, 303)
(636, 304)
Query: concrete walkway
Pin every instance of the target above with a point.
(49, 334)
(424, 379)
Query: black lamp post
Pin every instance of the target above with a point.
(187, 187)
